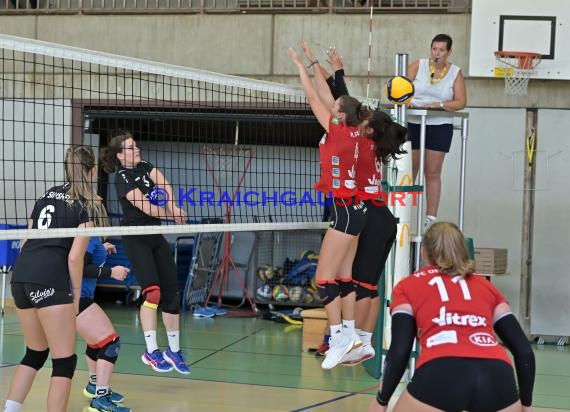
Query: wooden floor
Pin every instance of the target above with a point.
(241, 364)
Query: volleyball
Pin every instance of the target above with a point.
(265, 273)
(399, 90)
(280, 293)
(296, 294)
(264, 292)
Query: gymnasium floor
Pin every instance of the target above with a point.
(241, 364)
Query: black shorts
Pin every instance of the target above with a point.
(438, 136)
(33, 295)
(465, 384)
(347, 215)
(84, 303)
(152, 261)
(374, 244)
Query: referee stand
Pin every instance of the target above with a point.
(399, 179)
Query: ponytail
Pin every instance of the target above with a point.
(388, 137)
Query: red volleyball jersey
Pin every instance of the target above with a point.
(368, 168)
(454, 315)
(338, 152)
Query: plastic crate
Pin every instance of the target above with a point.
(9, 249)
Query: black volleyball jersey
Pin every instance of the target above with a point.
(136, 178)
(44, 261)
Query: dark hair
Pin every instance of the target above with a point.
(388, 136)
(108, 156)
(440, 38)
(355, 112)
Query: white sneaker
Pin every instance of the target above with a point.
(357, 341)
(358, 355)
(340, 344)
(428, 222)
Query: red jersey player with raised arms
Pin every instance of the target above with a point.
(338, 152)
(455, 314)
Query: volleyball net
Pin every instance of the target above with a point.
(235, 150)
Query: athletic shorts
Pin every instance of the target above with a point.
(438, 136)
(347, 215)
(84, 303)
(374, 244)
(33, 295)
(465, 384)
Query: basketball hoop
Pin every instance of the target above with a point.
(516, 68)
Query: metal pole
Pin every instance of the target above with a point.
(420, 210)
(464, 136)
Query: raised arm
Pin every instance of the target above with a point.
(321, 112)
(337, 64)
(321, 76)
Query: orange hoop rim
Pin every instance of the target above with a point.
(504, 53)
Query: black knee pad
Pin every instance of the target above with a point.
(64, 367)
(110, 351)
(34, 358)
(170, 301)
(365, 290)
(346, 286)
(328, 291)
(91, 352)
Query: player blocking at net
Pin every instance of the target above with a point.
(338, 151)
(150, 256)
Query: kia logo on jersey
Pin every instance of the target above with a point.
(483, 339)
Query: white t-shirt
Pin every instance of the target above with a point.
(427, 92)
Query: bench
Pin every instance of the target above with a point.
(314, 324)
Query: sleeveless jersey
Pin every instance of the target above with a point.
(44, 261)
(368, 168)
(454, 315)
(136, 178)
(98, 256)
(427, 92)
(338, 151)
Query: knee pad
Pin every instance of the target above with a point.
(151, 297)
(365, 290)
(346, 286)
(34, 358)
(109, 349)
(171, 301)
(91, 352)
(328, 290)
(64, 367)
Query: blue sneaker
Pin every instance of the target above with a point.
(156, 361)
(218, 310)
(176, 359)
(105, 404)
(89, 392)
(203, 312)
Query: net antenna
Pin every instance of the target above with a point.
(228, 166)
(516, 68)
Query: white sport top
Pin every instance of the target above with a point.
(426, 92)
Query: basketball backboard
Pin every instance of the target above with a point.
(524, 26)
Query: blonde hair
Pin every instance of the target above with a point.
(79, 164)
(445, 247)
